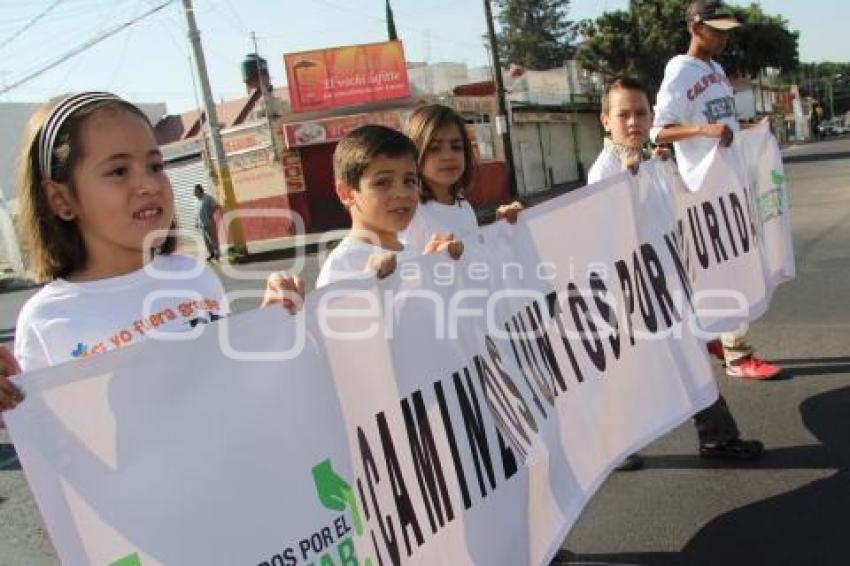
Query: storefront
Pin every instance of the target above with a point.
(263, 184)
(186, 167)
(314, 141)
(553, 146)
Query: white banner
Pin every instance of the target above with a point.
(733, 226)
(455, 413)
(766, 176)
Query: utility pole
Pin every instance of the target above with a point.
(502, 122)
(266, 97)
(237, 237)
(831, 98)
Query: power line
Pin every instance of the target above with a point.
(87, 45)
(30, 23)
(120, 64)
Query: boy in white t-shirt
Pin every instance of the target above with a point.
(695, 109)
(626, 117)
(377, 181)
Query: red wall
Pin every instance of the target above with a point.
(264, 228)
(489, 185)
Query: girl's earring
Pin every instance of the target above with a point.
(66, 214)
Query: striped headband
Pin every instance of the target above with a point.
(56, 119)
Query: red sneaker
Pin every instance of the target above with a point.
(752, 367)
(715, 348)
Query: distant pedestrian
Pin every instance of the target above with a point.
(206, 222)
(695, 110)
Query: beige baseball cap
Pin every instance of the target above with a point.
(712, 13)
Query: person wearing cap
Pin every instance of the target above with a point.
(695, 110)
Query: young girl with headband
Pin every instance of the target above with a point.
(97, 212)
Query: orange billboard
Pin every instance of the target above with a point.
(345, 76)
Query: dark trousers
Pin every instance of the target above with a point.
(716, 424)
(211, 240)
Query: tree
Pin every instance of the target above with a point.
(535, 33)
(392, 34)
(826, 82)
(639, 42)
(764, 41)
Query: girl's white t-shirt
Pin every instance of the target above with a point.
(434, 217)
(67, 320)
(694, 92)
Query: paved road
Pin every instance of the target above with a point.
(788, 509)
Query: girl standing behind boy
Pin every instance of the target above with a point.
(446, 166)
(98, 214)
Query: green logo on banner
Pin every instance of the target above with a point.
(129, 560)
(335, 493)
(777, 177)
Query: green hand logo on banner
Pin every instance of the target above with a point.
(777, 177)
(335, 493)
(129, 560)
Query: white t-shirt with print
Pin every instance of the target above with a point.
(434, 217)
(67, 320)
(350, 259)
(694, 92)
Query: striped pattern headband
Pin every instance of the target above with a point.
(56, 119)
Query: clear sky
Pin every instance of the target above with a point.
(149, 62)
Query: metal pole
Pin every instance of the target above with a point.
(831, 99)
(502, 122)
(237, 237)
(266, 98)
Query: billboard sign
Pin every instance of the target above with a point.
(346, 76)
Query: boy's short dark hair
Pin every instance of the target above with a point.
(356, 151)
(624, 83)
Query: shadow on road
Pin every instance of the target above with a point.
(7, 335)
(8, 458)
(813, 158)
(814, 457)
(805, 526)
(796, 367)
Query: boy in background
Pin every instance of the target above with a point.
(694, 111)
(626, 117)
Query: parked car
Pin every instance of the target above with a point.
(833, 127)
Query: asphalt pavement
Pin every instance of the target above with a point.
(790, 508)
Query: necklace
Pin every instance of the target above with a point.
(623, 152)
